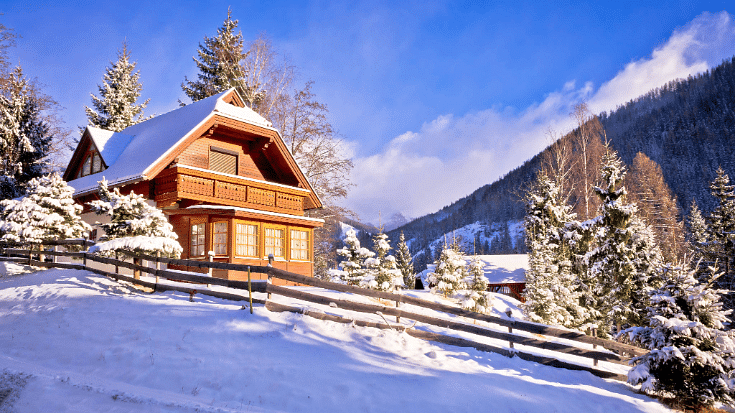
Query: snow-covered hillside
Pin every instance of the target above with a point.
(477, 238)
(73, 341)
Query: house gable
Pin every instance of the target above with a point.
(86, 160)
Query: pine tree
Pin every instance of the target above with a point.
(25, 139)
(721, 224)
(384, 274)
(551, 294)
(404, 262)
(647, 260)
(353, 271)
(47, 212)
(134, 224)
(450, 270)
(116, 109)
(697, 226)
(219, 63)
(691, 358)
(612, 262)
(476, 298)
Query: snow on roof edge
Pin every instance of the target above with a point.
(256, 211)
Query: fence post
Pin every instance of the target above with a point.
(117, 258)
(30, 253)
(158, 264)
(510, 330)
(250, 291)
(136, 272)
(270, 276)
(398, 318)
(594, 346)
(84, 260)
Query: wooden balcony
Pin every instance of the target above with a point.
(183, 183)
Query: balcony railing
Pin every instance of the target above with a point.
(178, 183)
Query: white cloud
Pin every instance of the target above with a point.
(449, 157)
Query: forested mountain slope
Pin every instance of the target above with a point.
(687, 126)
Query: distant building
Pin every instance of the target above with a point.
(219, 171)
(505, 273)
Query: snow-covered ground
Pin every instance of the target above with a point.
(73, 341)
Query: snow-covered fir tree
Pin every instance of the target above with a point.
(115, 109)
(353, 258)
(697, 229)
(134, 224)
(647, 260)
(476, 298)
(382, 269)
(404, 262)
(691, 358)
(220, 64)
(551, 294)
(721, 225)
(450, 270)
(612, 262)
(25, 138)
(47, 212)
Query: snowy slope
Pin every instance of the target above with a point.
(73, 341)
(474, 237)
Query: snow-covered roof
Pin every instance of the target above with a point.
(256, 211)
(110, 144)
(508, 268)
(153, 139)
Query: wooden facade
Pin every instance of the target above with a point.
(230, 188)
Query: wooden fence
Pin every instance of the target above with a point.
(535, 339)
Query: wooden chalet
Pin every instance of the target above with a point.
(219, 171)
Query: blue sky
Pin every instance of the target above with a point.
(433, 98)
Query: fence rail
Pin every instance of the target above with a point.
(539, 330)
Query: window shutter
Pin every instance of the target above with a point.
(223, 162)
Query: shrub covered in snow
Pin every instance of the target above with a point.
(47, 212)
(134, 225)
(691, 357)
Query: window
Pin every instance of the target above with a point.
(299, 245)
(246, 240)
(96, 163)
(220, 238)
(87, 166)
(275, 240)
(197, 240)
(222, 160)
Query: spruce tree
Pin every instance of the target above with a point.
(551, 294)
(476, 298)
(612, 262)
(691, 358)
(47, 212)
(647, 260)
(134, 224)
(449, 270)
(404, 262)
(219, 63)
(25, 138)
(353, 258)
(115, 109)
(721, 224)
(384, 274)
(697, 227)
